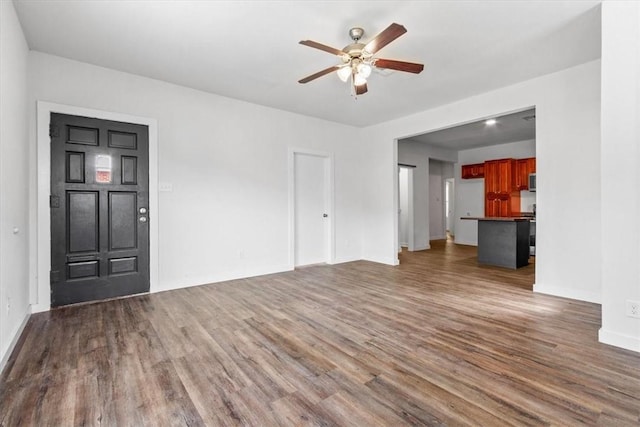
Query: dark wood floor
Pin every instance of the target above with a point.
(435, 341)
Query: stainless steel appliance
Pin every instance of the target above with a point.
(532, 182)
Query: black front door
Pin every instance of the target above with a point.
(99, 209)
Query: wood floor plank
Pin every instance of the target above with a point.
(437, 341)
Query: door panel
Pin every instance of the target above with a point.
(82, 227)
(310, 208)
(123, 220)
(99, 234)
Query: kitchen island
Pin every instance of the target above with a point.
(503, 241)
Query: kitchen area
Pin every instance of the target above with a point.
(490, 191)
(506, 233)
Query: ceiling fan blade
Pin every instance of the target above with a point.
(318, 74)
(362, 89)
(321, 46)
(409, 67)
(388, 35)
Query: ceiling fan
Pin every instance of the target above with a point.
(358, 58)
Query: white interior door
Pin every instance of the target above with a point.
(311, 209)
(449, 205)
(403, 194)
(405, 208)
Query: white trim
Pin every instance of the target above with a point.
(619, 340)
(576, 294)
(396, 204)
(345, 260)
(387, 261)
(14, 341)
(41, 301)
(459, 241)
(329, 185)
(422, 247)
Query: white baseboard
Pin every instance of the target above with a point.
(14, 341)
(619, 340)
(343, 260)
(438, 237)
(39, 308)
(234, 275)
(465, 242)
(576, 294)
(421, 247)
(383, 260)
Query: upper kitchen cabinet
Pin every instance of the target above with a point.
(502, 199)
(472, 171)
(524, 167)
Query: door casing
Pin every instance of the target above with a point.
(40, 252)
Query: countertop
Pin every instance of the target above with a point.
(502, 218)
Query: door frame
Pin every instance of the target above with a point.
(40, 288)
(329, 185)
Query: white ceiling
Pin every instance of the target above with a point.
(249, 50)
(508, 128)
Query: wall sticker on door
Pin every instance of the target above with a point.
(103, 169)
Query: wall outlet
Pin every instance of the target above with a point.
(633, 308)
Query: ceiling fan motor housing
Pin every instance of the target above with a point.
(356, 33)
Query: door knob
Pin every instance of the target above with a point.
(143, 211)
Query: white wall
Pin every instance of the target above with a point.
(418, 155)
(14, 178)
(620, 172)
(227, 216)
(567, 133)
(470, 192)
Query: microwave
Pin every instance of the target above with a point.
(532, 182)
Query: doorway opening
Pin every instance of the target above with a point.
(449, 207)
(405, 208)
(444, 199)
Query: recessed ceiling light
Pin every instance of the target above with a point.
(490, 122)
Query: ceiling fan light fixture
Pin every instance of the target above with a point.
(344, 73)
(364, 70)
(359, 80)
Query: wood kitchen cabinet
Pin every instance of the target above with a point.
(523, 168)
(502, 198)
(472, 171)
